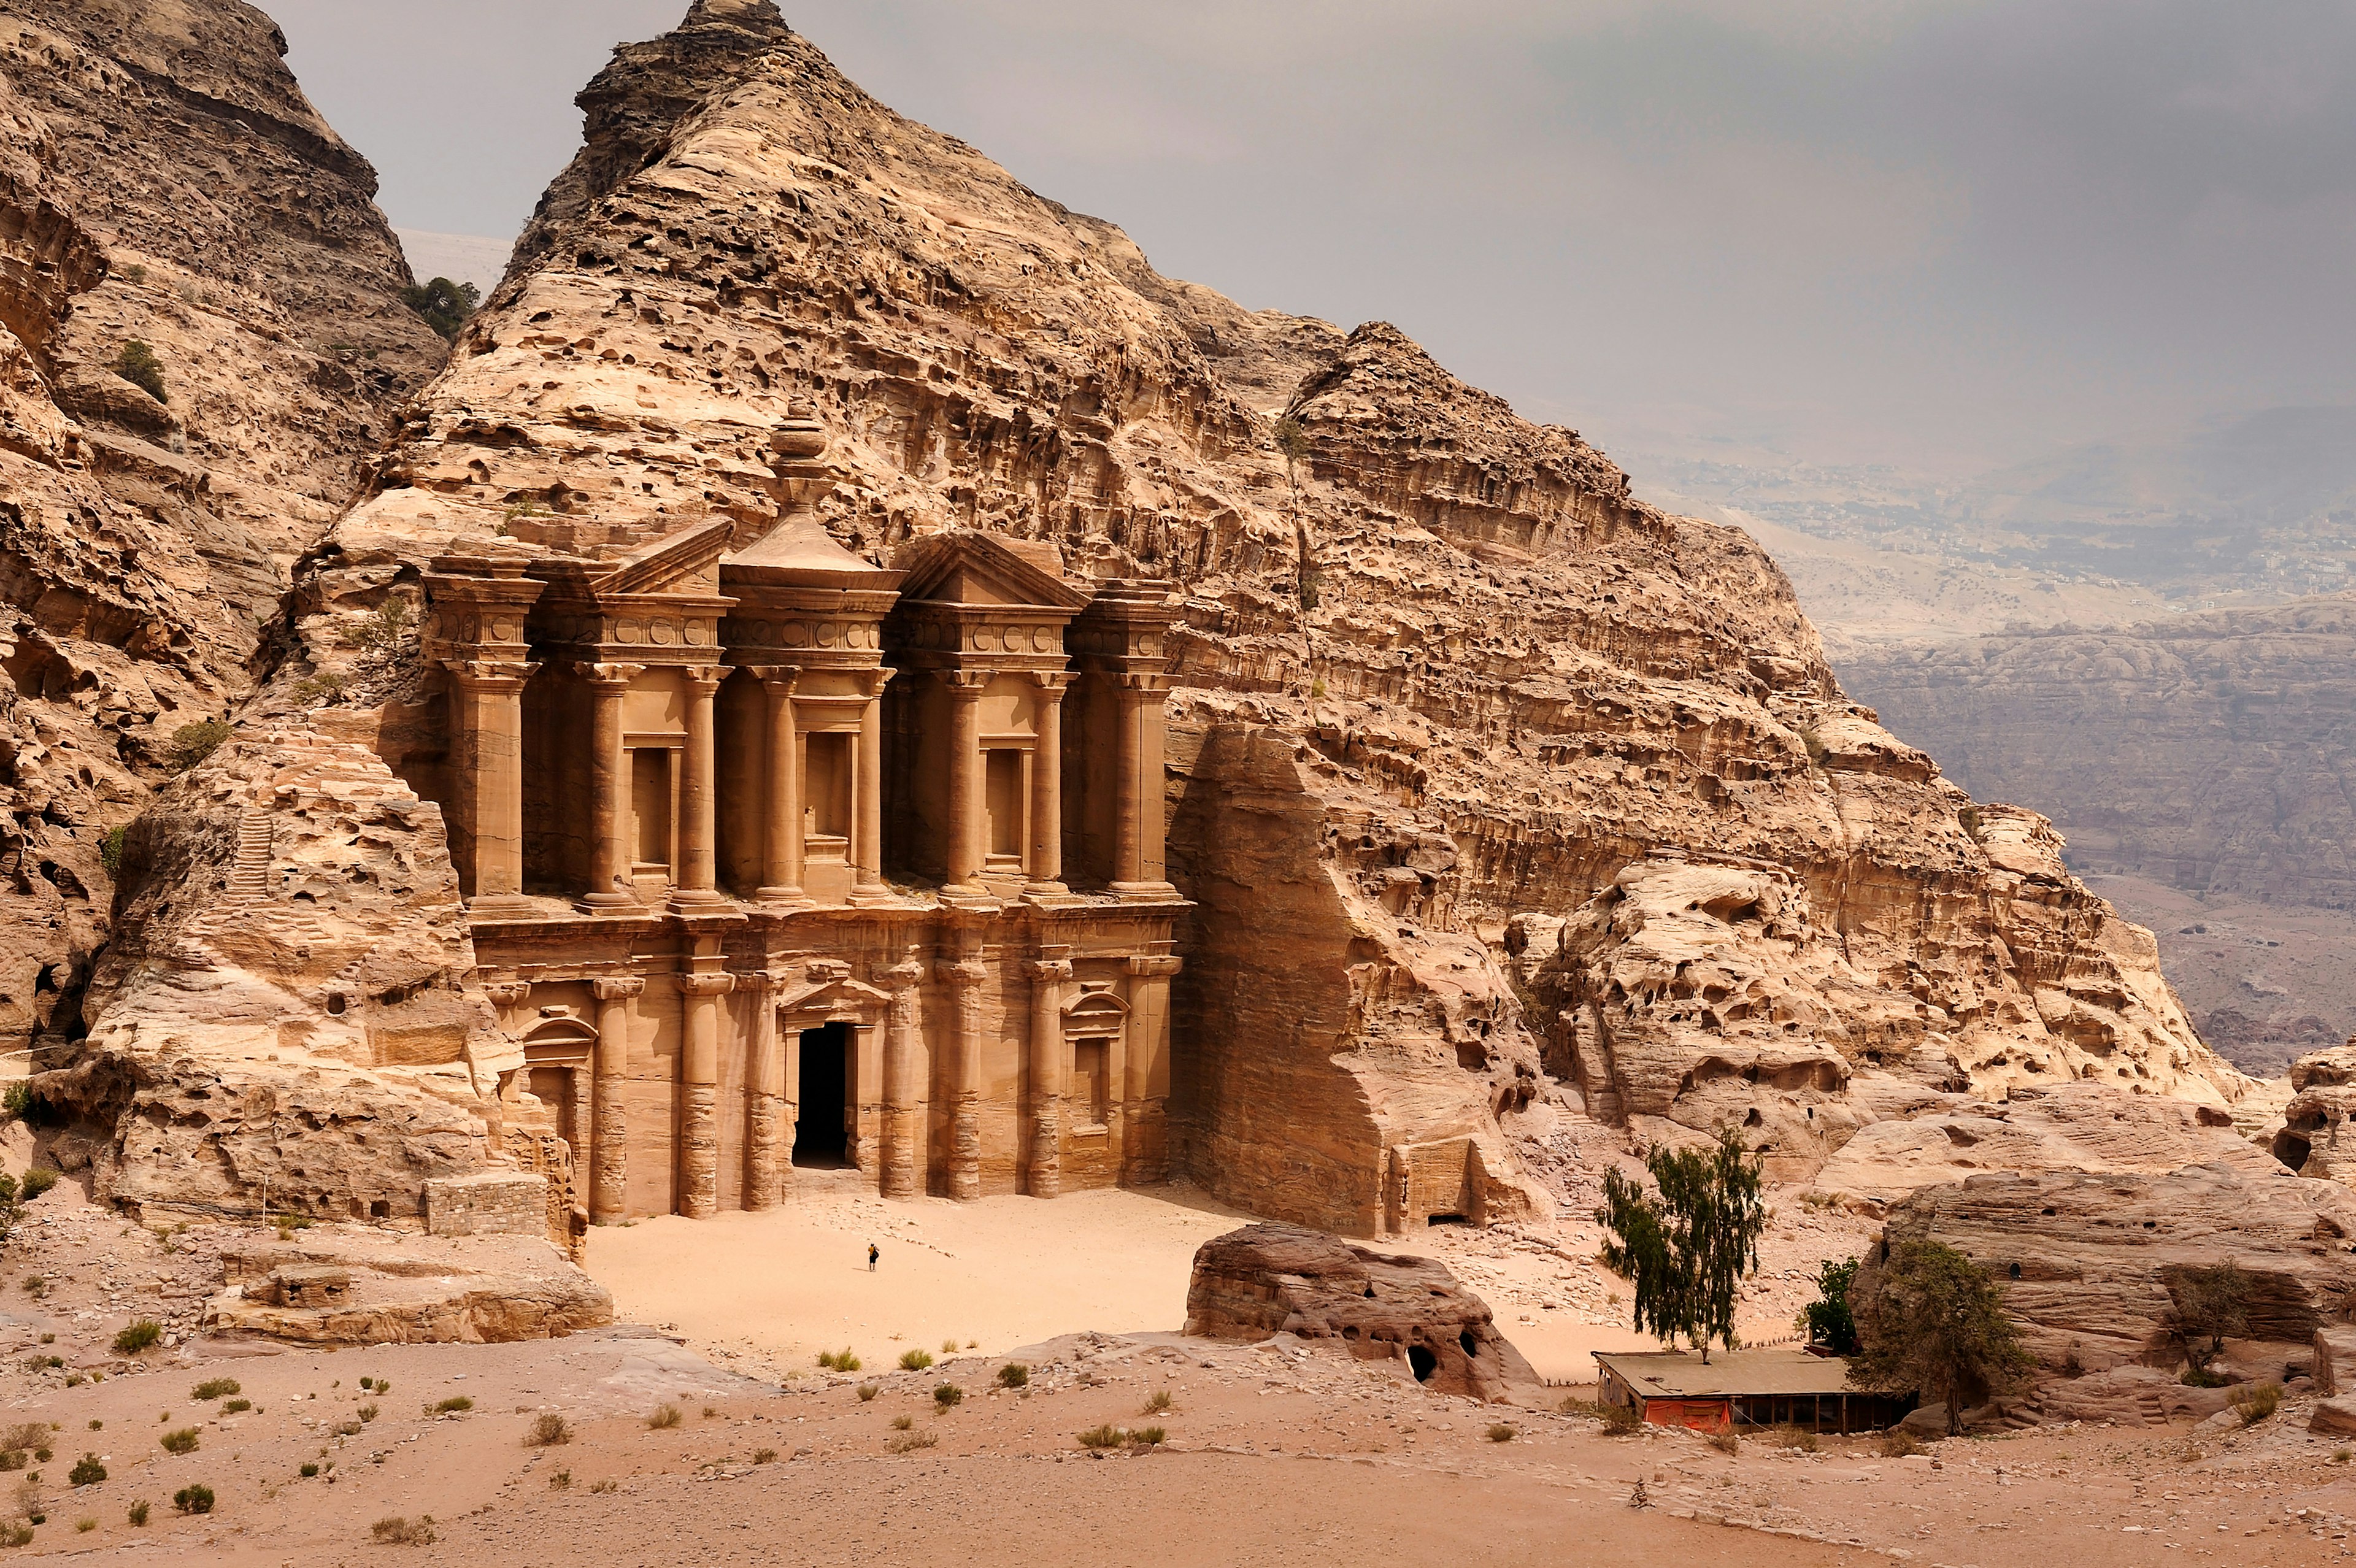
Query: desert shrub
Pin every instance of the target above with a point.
(1620, 1420)
(16, 1104)
(2342, 1456)
(1935, 1322)
(1502, 1432)
(96, 1424)
(138, 1514)
(2206, 1307)
(609, 1484)
(1157, 1403)
(561, 1482)
(1106, 1436)
(136, 362)
(215, 1388)
(12, 1459)
(85, 1524)
(868, 1392)
(1150, 1437)
(2203, 1377)
(441, 304)
(179, 1440)
(902, 1422)
(36, 1285)
(396, 1530)
(86, 1472)
(194, 1500)
(549, 1431)
(310, 1468)
(192, 744)
(1969, 818)
(2257, 1402)
(1897, 1444)
(765, 1455)
(1817, 750)
(1726, 1442)
(840, 1361)
(14, 1534)
(456, 1404)
(141, 1336)
(1798, 1437)
(386, 629)
(907, 1441)
(37, 1180)
(1013, 1374)
(110, 851)
(948, 1396)
(664, 1418)
(347, 1429)
(915, 1361)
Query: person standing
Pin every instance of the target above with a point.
(872, 1255)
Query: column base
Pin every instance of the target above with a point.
(1144, 893)
(698, 900)
(609, 903)
(784, 897)
(1050, 895)
(501, 906)
(873, 895)
(968, 895)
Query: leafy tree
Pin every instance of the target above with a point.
(444, 306)
(137, 364)
(1827, 1318)
(1687, 1245)
(2208, 1306)
(1932, 1321)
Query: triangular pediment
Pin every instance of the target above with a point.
(827, 996)
(687, 561)
(801, 553)
(966, 566)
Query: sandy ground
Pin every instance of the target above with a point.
(765, 1293)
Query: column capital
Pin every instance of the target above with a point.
(617, 987)
(609, 677)
(900, 976)
(965, 684)
(507, 993)
(961, 972)
(490, 675)
(778, 678)
(1046, 969)
(705, 984)
(702, 679)
(1053, 683)
(759, 982)
(1156, 965)
(871, 682)
(1136, 686)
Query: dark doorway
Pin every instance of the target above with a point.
(818, 1132)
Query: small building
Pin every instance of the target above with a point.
(1736, 1389)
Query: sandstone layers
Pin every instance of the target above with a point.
(1440, 682)
(162, 179)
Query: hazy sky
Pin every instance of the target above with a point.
(1924, 230)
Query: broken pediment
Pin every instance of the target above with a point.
(964, 567)
(802, 554)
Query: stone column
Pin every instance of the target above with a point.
(1128, 792)
(697, 882)
(1145, 1087)
(781, 874)
(965, 852)
(580, 1086)
(765, 1084)
(1048, 976)
(1047, 789)
(964, 980)
(609, 1123)
(901, 1124)
(488, 746)
(610, 891)
(867, 798)
(699, 1121)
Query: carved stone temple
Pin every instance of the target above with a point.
(776, 859)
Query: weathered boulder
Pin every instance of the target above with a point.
(2335, 1358)
(2087, 1260)
(2129, 1396)
(2334, 1417)
(1283, 1279)
(341, 1286)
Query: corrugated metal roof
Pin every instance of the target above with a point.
(1680, 1374)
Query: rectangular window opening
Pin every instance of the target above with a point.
(1003, 795)
(650, 804)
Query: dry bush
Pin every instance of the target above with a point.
(902, 1422)
(915, 1361)
(1897, 1444)
(457, 1405)
(765, 1455)
(1501, 1432)
(906, 1441)
(664, 1418)
(868, 1392)
(549, 1431)
(214, 1388)
(1150, 1437)
(2258, 1402)
(1013, 1374)
(1157, 1403)
(180, 1440)
(395, 1531)
(1726, 1442)
(1105, 1437)
(948, 1396)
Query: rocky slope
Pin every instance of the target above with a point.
(1511, 683)
(2208, 754)
(164, 180)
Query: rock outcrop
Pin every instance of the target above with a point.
(1434, 670)
(356, 1288)
(163, 181)
(1281, 1279)
(2086, 1261)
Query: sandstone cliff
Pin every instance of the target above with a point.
(164, 180)
(1441, 681)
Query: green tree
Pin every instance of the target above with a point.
(1827, 1320)
(137, 364)
(1932, 1321)
(1687, 1245)
(2208, 1307)
(444, 306)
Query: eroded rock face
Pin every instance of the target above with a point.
(337, 1288)
(1440, 673)
(1283, 1279)
(2085, 1260)
(163, 180)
